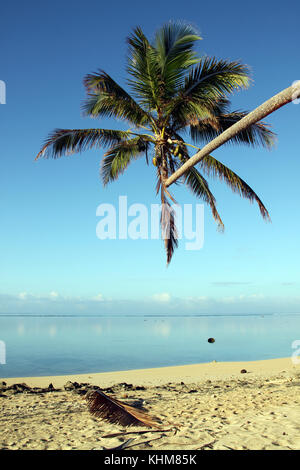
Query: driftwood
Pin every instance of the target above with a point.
(118, 434)
(122, 446)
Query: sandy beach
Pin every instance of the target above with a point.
(201, 407)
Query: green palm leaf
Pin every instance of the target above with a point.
(212, 167)
(206, 84)
(169, 231)
(107, 99)
(69, 141)
(213, 77)
(256, 134)
(174, 45)
(144, 70)
(199, 186)
(119, 156)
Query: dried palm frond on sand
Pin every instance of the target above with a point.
(116, 412)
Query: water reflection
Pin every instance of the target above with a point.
(52, 331)
(162, 328)
(20, 329)
(66, 345)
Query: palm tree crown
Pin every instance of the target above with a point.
(173, 91)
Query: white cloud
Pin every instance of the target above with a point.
(241, 298)
(163, 297)
(200, 298)
(22, 295)
(160, 303)
(256, 296)
(229, 300)
(98, 298)
(53, 295)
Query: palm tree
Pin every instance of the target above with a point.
(173, 92)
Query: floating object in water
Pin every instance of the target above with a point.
(211, 340)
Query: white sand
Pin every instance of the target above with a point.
(161, 375)
(203, 406)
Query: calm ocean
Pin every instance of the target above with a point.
(58, 345)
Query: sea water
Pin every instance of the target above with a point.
(59, 345)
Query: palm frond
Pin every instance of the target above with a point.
(197, 183)
(144, 70)
(174, 44)
(168, 227)
(206, 130)
(173, 39)
(206, 83)
(215, 78)
(169, 232)
(212, 167)
(69, 141)
(119, 156)
(108, 99)
(199, 186)
(117, 412)
(184, 112)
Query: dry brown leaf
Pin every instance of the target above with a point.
(116, 412)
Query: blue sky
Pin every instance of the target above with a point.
(51, 259)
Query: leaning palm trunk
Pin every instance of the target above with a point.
(284, 97)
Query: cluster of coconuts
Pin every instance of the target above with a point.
(176, 153)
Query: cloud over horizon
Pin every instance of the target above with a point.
(158, 304)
